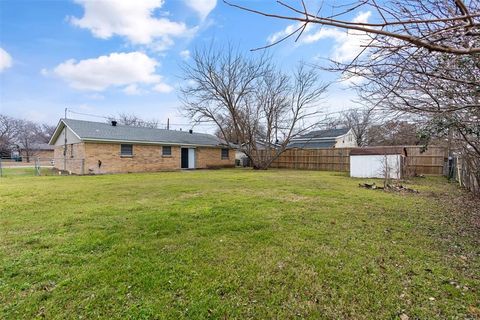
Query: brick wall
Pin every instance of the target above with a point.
(74, 160)
(145, 158)
(85, 158)
(212, 158)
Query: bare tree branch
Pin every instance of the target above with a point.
(410, 21)
(256, 107)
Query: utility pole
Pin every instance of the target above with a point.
(168, 123)
(65, 144)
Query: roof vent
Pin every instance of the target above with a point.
(190, 131)
(114, 123)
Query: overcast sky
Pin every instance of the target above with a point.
(105, 57)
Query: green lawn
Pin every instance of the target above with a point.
(232, 244)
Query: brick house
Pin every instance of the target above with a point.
(84, 147)
(42, 151)
(330, 138)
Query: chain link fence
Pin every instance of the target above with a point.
(40, 166)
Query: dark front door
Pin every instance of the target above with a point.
(184, 158)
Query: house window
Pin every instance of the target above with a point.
(166, 151)
(126, 150)
(224, 154)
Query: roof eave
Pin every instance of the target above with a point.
(59, 129)
(314, 140)
(150, 142)
(56, 133)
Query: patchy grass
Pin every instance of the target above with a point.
(232, 244)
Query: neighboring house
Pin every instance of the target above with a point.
(42, 151)
(242, 159)
(39, 150)
(94, 147)
(331, 138)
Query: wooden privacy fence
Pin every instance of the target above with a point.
(338, 159)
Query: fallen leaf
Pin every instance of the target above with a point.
(474, 310)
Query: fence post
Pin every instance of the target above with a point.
(296, 158)
(37, 166)
(342, 167)
(1, 170)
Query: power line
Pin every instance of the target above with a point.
(164, 124)
(87, 114)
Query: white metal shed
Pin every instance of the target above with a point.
(377, 162)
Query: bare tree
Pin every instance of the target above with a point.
(228, 132)
(359, 122)
(44, 132)
(330, 121)
(8, 132)
(26, 137)
(250, 99)
(22, 136)
(130, 119)
(393, 133)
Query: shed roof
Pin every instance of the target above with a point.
(105, 132)
(386, 150)
(329, 133)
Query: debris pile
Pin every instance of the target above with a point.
(388, 187)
